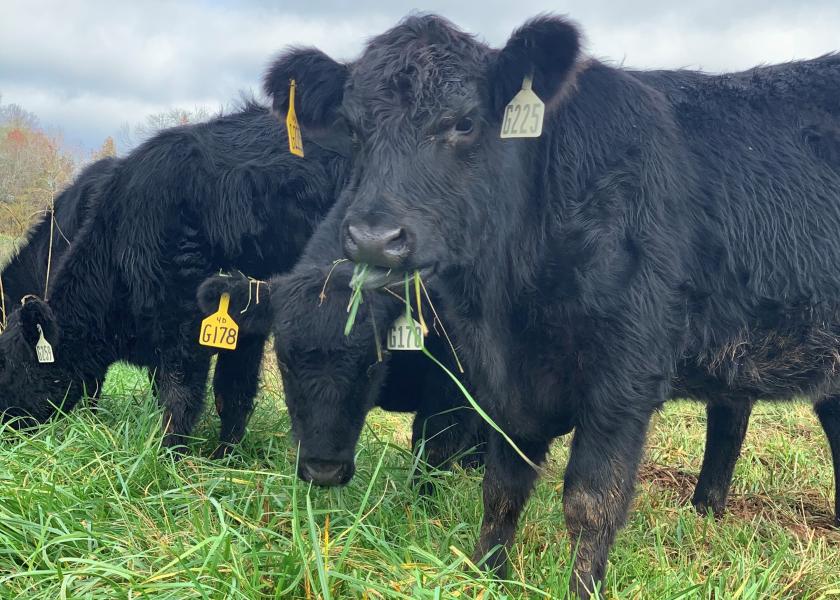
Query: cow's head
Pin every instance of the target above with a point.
(30, 390)
(432, 183)
(330, 381)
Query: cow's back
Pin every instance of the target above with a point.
(764, 285)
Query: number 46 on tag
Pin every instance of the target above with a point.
(219, 330)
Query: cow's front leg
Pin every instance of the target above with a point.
(726, 426)
(599, 483)
(181, 384)
(235, 385)
(508, 481)
(828, 411)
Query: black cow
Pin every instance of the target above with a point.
(226, 194)
(331, 381)
(668, 232)
(25, 273)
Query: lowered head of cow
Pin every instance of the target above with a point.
(31, 384)
(424, 105)
(330, 381)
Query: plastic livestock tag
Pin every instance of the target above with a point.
(405, 334)
(524, 114)
(43, 349)
(219, 330)
(292, 127)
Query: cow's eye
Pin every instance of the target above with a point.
(464, 126)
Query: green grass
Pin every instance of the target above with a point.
(91, 507)
(7, 245)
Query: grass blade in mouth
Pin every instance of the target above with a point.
(360, 273)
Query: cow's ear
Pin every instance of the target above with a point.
(319, 85)
(546, 47)
(36, 316)
(250, 301)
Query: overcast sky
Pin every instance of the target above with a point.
(88, 67)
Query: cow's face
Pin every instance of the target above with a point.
(330, 381)
(29, 389)
(432, 184)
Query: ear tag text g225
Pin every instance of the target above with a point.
(292, 127)
(524, 114)
(219, 330)
(43, 349)
(405, 334)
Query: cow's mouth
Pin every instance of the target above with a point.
(377, 278)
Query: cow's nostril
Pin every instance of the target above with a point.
(383, 246)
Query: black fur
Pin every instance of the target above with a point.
(669, 233)
(331, 381)
(226, 194)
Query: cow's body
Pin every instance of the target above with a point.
(669, 232)
(226, 194)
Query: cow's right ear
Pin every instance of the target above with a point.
(547, 48)
(250, 301)
(319, 85)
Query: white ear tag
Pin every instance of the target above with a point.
(405, 334)
(524, 114)
(43, 348)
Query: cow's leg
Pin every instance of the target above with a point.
(181, 383)
(599, 483)
(828, 411)
(726, 426)
(508, 481)
(235, 386)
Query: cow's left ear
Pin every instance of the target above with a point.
(319, 85)
(546, 47)
(36, 316)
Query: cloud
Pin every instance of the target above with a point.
(89, 67)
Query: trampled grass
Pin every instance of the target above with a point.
(91, 507)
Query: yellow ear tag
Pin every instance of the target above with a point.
(524, 114)
(43, 349)
(292, 128)
(219, 330)
(405, 334)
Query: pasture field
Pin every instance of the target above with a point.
(91, 507)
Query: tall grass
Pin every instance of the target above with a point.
(92, 507)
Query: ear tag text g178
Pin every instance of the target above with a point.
(405, 334)
(219, 330)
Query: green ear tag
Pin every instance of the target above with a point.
(524, 114)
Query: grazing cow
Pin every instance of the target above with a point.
(668, 232)
(26, 271)
(226, 194)
(330, 380)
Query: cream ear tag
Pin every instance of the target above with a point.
(219, 330)
(292, 128)
(43, 349)
(524, 114)
(405, 334)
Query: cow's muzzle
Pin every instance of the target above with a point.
(325, 472)
(379, 245)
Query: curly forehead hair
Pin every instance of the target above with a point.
(420, 60)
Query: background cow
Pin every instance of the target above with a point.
(667, 232)
(226, 194)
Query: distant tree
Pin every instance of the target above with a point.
(34, 167)
(108, 148)
(152, 124)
